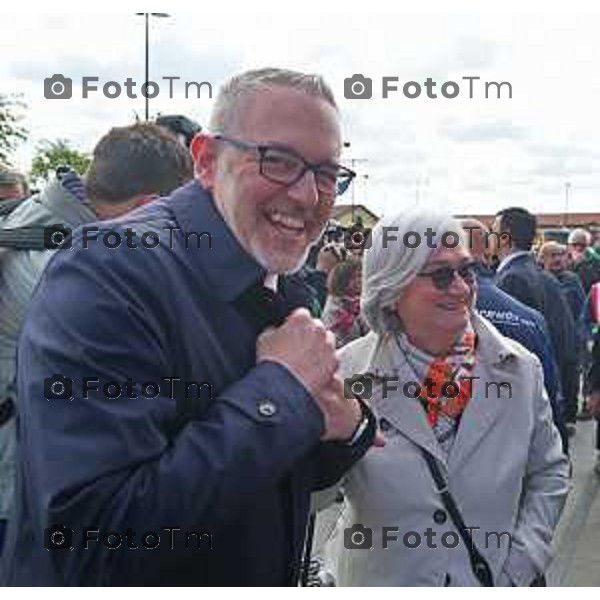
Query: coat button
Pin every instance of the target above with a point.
(439, 516)
(266, 408)
(384, 425)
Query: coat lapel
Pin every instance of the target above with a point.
(405, 414)
(495, 365)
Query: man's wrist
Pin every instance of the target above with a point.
(361, 426)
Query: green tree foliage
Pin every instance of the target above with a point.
(51, 155)
(11, 133)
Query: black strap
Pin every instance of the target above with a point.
(24, 238)
(480, 566)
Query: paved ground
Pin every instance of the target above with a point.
(577, 539)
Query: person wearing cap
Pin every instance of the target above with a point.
(454, 397)
(182, 127)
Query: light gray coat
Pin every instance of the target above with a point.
(506, 471)
(19, 274)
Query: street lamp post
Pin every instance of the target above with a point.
(567, 190)
(147, 64)
(353, 163)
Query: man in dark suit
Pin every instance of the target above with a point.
(515, 320)
(513, 232)
(177, 408)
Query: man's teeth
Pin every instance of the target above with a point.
(287, 221)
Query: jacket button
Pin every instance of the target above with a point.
(266, 408)
(439, 516)
(384, 425)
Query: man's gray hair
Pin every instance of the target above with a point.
(230, 94)
(580, 236)
(389, 265)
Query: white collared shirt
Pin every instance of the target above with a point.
(508, 259)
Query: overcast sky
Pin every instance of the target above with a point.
(471, 155)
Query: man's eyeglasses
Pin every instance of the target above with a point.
(444, 276)
(284, 166)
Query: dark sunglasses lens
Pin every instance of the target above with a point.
(467, 274)
(442, 277)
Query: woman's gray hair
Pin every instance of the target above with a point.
(390, 264)
(226, 107)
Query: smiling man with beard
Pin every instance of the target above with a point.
(238, 463)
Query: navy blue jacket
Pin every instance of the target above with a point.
(523, 280)
(237, 463)
(573, 291)
(527, 326)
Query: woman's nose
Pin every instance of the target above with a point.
(458, 286)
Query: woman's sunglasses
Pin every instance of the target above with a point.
(444, 276)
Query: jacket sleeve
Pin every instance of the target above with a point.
(333, 459)
(545, 488)
(517, 286)
(93, 461)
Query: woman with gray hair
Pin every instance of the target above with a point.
(472, 480)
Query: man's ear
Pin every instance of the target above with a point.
(204, 155)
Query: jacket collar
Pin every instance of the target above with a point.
(228, 268)
(495, 364)
(517, 255)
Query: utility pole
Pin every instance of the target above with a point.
(147, 50)
(567, 192)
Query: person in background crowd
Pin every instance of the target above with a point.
(259, 419)
(593, 397)
(182, 127)
(497, 452)
(515, 319)
(554, 259)
(342, 309)
(13, 186)
(519, 276)
(130, 167)
(585, 260)
(315, 278)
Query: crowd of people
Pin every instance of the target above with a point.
(308, 347)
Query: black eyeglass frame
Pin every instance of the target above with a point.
(466, 272)
(343, 179)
